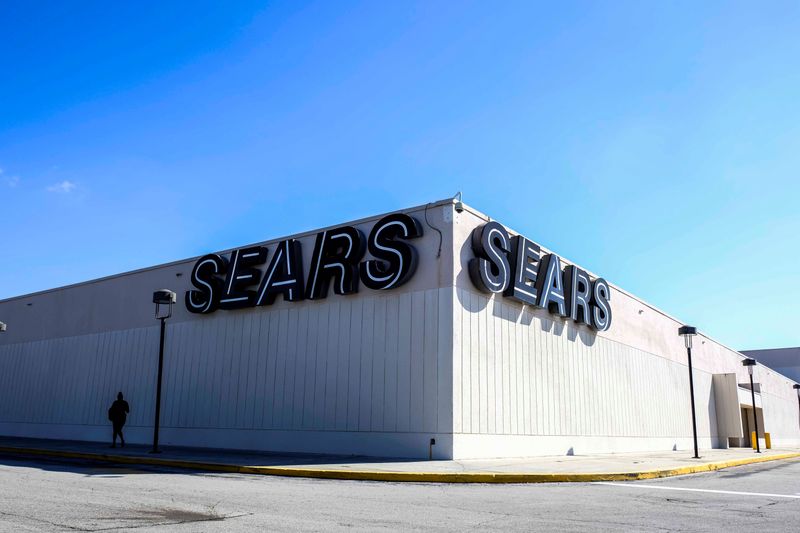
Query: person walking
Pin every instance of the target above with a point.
(117, 414)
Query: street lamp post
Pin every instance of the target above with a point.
(161, 297)
(687, 332)
(797, 388)
(750, 363)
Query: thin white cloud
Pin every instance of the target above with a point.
(64, 187)
(11, 181)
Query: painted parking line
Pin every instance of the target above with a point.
(711, 491)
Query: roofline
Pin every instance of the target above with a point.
(306, 233)
(436, 203)
(771, 349)
(618, 288)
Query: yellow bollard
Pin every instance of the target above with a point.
(768, 439)
(753, 439)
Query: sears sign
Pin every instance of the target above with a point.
(336, 261)
(517, 269)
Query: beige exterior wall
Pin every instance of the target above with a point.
(368, 373)
(526, 382)
(376, 373)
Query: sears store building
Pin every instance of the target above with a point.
(374, 337)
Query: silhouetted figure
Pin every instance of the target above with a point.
(118, 413)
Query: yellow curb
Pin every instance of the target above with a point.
(420, 477)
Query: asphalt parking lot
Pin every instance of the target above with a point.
(47, 495)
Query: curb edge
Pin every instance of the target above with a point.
(419, 477)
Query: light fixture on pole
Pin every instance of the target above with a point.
(750, 363)
(797, 388)
(161, 297)
(687, 332)
(459, 204)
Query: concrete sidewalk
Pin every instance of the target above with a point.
(611, 467)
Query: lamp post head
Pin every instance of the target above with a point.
(164, 297)
(687, 332)
(797, 388)
(749, 363)
(3, 327)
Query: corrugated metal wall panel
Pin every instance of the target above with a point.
(522, 375)
(344, 364)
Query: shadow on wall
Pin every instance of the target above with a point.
(713, 430)
(475, 303)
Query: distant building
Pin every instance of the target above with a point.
(783, 360)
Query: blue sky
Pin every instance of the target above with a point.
(655, 143)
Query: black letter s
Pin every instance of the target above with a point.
(206, 299)
(489, 270)
(601, 308)
(396, 260)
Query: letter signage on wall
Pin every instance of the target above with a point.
(517, 269)
(336, 262)
(514, 267)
